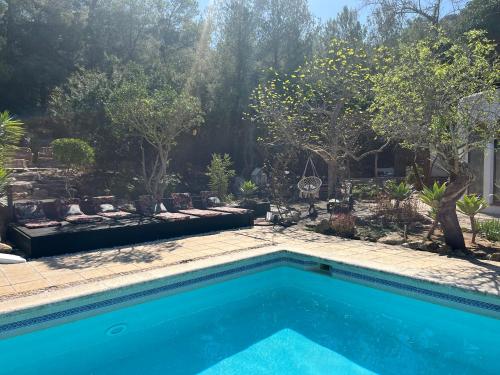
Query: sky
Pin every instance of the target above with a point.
(326, 9)
(323, 9)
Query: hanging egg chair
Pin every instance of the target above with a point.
(309, 186)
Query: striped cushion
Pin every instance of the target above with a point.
(173, 216)
(232, 210)
(202, 213)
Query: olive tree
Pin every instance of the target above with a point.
(423, 99)
(155, 116)
(320, 108)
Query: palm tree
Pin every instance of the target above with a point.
(432, 197)
(11, 131)
(470, 205)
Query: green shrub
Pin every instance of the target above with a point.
(490, 229)
(432, 197)
(470, 205)
(365, 191)
(220, 173)
(248, 188)
(73, 153)
(398, 192)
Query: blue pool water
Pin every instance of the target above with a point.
(279, 321)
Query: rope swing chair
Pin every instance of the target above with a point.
(309, 185)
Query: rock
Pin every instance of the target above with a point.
(425, 246)
(392, 239)
(258, 177)
(236, 185)
(444, 249)
(480, 254)
(412, 245)
(4, 248)
(431, 246)
(323, 226)
(415, 226)
(21, 186)
(459, 253)
(495, 257)
(40, 193)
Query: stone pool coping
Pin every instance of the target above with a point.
(183, 256)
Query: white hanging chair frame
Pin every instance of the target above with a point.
(309, 186)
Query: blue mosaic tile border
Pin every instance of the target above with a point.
(147, 293)
(5, 328)
(417, 290)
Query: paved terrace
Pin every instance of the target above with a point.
(47, 279)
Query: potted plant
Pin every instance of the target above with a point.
(248, 189)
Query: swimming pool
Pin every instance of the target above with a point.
(279, 320)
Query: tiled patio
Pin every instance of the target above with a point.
(42, 280)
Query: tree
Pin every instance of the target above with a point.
(320, 108)
(419, 100)
(78, 105)
(385, 26)
(481, 15)
(155, 116)
(429, 10)
(220, 173)
(11, 132)
(284, 33)
(345, 26)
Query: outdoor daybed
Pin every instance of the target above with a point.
(51, 236)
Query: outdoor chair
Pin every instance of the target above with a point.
(183, 204)
(148, 206)
(210, 200)
(105, 206)
(31, 214)
(342, 201)
(70, 211)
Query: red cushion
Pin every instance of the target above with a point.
(41, 224)
(80, 219)
(202, 213)
(232, 210)
(116, 214)
(173, 216)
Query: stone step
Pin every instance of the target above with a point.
(21, 186)
(16, 164)
(26, 176)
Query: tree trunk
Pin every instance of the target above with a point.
(419, 185)
(473, 228)
(447, 214)
(432, 229)
(332, 177)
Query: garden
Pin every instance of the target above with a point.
(382, 124)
